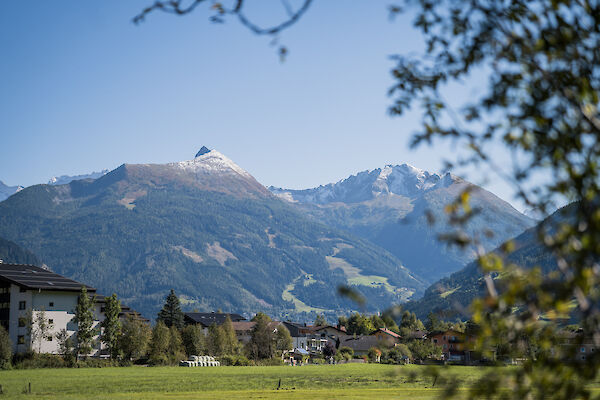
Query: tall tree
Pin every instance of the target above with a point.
(112, 325)
(261, 345)
(175, 349)
(283, 339)
(194, 340)
(230, 341)
(171, 314)
(84, 317)
(159, 345)
(135, 338)
(216, 340)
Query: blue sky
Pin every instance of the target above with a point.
(84, 89)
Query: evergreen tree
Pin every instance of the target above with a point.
(84, 317)
(5, 349)
(261, 342)
(135, 338)
(171, 314)
(112, 325)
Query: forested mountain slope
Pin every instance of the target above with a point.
(206, 228)
(450, 297)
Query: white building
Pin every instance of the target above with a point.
(26, 291)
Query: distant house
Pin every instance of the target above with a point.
(383, 334)
(362, 344)
(330, 330)
(580, 344)
(456, 346)
(243, 329)
(299, 334)
(28, 290)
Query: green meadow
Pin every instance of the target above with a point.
(351, 381)
(317, 381)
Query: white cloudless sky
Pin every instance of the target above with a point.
(82, 89)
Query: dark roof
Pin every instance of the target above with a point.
(125, 310)
(207, 319)
(32, 277)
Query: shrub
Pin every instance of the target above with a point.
(31, 360)
(374, 355)
(397, 354)
(234, 360)
(346, 353)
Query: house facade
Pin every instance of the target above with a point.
(27, 292)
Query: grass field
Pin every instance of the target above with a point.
(351, 381)
(325, 381)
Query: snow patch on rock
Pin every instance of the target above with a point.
(211, 162)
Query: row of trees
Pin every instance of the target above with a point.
(171, 338)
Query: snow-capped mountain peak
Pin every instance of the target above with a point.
(403, 180)
(211, 161)
(7, 191)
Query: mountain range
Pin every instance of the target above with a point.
(206, 228)
(222, 240)
(393, 207)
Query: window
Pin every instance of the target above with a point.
(22, 289)
(51, 321)
(22, 305)
(20, 339)
(444, 337)
(4, 305)
(434, 340)
(582, 349)
(22, 322)
(51, 304)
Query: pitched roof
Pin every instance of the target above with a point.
(387, 332)
(207, 319)
(32, 277)
(242, 326)
(341, 329)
